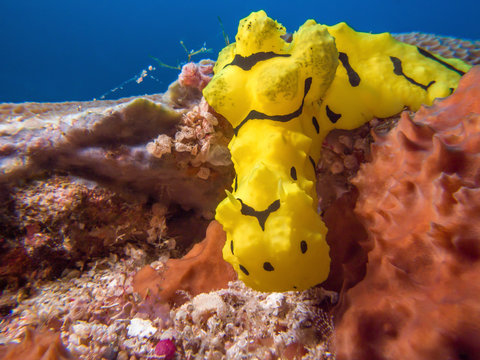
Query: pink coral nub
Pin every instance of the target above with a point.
(196, 75)
(166, 348)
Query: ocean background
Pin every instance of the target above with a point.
(65, 50)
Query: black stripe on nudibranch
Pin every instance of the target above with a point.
(398, 70)
(313, 164)
(315, 124)
(231, 246)
(293, 173)
(261, 216)
(441, 62)
(333, 117)
(303, 246)
(353, 77)
(247, 62)
(267, 266)
(235, 186)
(254, 114)
(245, 271)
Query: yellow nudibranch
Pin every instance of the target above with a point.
(282, 98)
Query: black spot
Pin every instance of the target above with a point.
(451, 90)
(231, 247)
(245, 271)
(294, 287)
(315, 123)
(303, 247)
(313, 164)
(261, 216)
(353, 77)
(254, 114)
(247, 62)
(293, 173)
(267, 266)
(398, 70)
(333, 117)
(236, 183)
(434, 58)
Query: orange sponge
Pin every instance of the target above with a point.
(201, 270)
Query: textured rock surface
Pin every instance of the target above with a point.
(106, 141)
(420, 202)
(49, 225)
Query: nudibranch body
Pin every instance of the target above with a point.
(379, 76)
(282, 98)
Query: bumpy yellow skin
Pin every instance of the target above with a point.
(381, 92)
(282, 98)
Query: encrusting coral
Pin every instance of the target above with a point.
(466, 50)
(419, 200)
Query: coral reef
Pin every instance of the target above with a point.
(201, 270)
(81, 180)
(419, 200)
(238, 322)
(61, 223)
(92, 192)
(467, 50)
(99, 316)
(107, 142)
(92, 309)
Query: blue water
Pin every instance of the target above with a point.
(54, 50)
